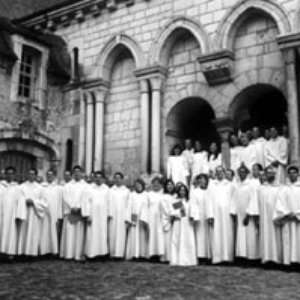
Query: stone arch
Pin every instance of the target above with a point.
(114, 46)
(166, 38)
(231, 21)
(296, 19)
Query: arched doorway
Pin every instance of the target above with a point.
(191, 118)
(259, 105)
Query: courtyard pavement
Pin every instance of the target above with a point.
(142, 281)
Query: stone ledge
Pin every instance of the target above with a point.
(289, 41)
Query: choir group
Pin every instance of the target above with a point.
(246, 212)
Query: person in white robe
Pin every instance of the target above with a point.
(138, 235)
(51, 194)
(155, 220)
(118, 213)
(214, 159)
(230, 175)
(76, 211)
(188, 154)
(177, 166)
(9, 197)
(31, 210)
(183, 244)
(259, 145)
(248, 153)
(219, 218)
(270, 235)
(67, 177)
(287, 216)
(166, 205)
(276, 154)
(235, 153)
(245, 209)
(200, 161)
(199, 200)
(96, 244)
(255, 176)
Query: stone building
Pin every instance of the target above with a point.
(145, 74)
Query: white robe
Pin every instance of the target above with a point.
(155, 222)
(51, 194)
(289, 203)
(213, 163)
(73, 231)
(97, 230)
(118, 211)
(188, 154)
(259, 146)
(9, 197)
(177, 169)
(183, 244)
(235, 157)
(137, 241)
(248, 156)
(223, 230)
(245, 204)
(30, 227)
(200, 164)
(277, 150)
(199, 200)
(270, 242)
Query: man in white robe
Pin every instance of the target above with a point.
(276, 154)
(51, 194)
(97, 227)
(259, 145)
(31, 209)
(287, 215)
(118, 212)
(270, 235)
(219, 218)
(248, 152)
(76, 210)
(9, 195)
(188, 154)
(245, 208)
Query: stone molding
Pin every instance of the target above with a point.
(289, 41)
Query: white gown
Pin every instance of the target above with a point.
(213, 163)
(188, 154)
(200, 164)
(245, 203)
(118, 211)
(270, 242)
(223, 229)
(73, 231)
(248, 156)
(138, 236)
(51, 194)
(9, 195)
(97, 229)
(183, 244)
(32, 216)
(177, 169)
(259, 146)
(199, 200)
(289, 203)
(235, 158)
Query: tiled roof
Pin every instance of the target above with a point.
(15, 9)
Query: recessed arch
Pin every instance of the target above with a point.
(112, 49)
(168, 35)
(230, 23)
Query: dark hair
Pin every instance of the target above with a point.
(10, 168)
(166, 189)
(215, 155)
(34, 170)
(141, 182)
(52, 171)
(177, 146)
(77, 167)
(101, 173)
(293, 168)
(243, 167)
(259, 166)
(181, 185)
(205, 176)
(68, 170)
(156, 179)
(232, 172)
(119, 174)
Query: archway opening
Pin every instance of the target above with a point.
(259, 105)
(192, 118)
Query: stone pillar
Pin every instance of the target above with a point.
(100, 95)
(225, 128)
(156, 84)
(292, 99)
(81, 144)
(145, 122)
(89, 132)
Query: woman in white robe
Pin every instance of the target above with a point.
(118, 212)
(138, 236)
(214, 159)
(235, 153)
(97, 228)
(248, 152)
(177, 166)
(183, 244)
(200, 161)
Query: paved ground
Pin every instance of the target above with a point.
(142, 281)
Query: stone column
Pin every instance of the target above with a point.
(89, 132)
(156, 83)
(81, 146)
(100, 95)
(145, 122)
(292, 99)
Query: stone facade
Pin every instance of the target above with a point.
(143, 75)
